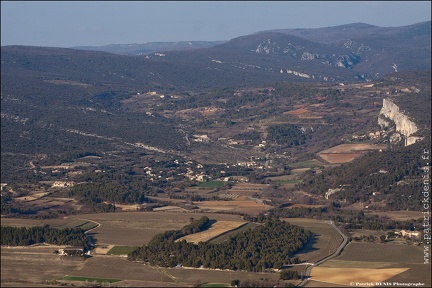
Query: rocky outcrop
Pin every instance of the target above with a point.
(390, 115)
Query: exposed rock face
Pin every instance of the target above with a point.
(389, 114)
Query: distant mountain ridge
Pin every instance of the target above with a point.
(354, 52)
(150, 47)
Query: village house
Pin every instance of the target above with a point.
(62, 184)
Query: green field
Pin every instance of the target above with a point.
(90, 279)
(121, 250)
(210, 184)
(82, 224)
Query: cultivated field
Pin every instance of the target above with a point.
(371, 262)
(344, 153)
(34, 265)
(327, 239)
(138, 228)
(355, 147)
(345, 276)
(238, 205)
(215, 230)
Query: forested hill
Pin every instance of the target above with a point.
(396, 174)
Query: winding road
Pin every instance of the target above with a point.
(335, 254)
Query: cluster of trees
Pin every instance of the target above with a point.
(270, 245)
(23, 236)
(286, 134)
(93, 195)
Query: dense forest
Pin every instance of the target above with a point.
(287, 135)
(23, 236)
(270, 245)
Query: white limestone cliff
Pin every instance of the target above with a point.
(390, 113)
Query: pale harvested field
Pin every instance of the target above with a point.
(366, 256)
(134, 207)
(336, 158)
(138, 228)
(355, 147)
(344, 276)
(215, 230)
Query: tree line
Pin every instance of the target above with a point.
(24, 236)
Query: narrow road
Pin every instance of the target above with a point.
(335, 254)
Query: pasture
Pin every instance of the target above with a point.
(218, 228)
